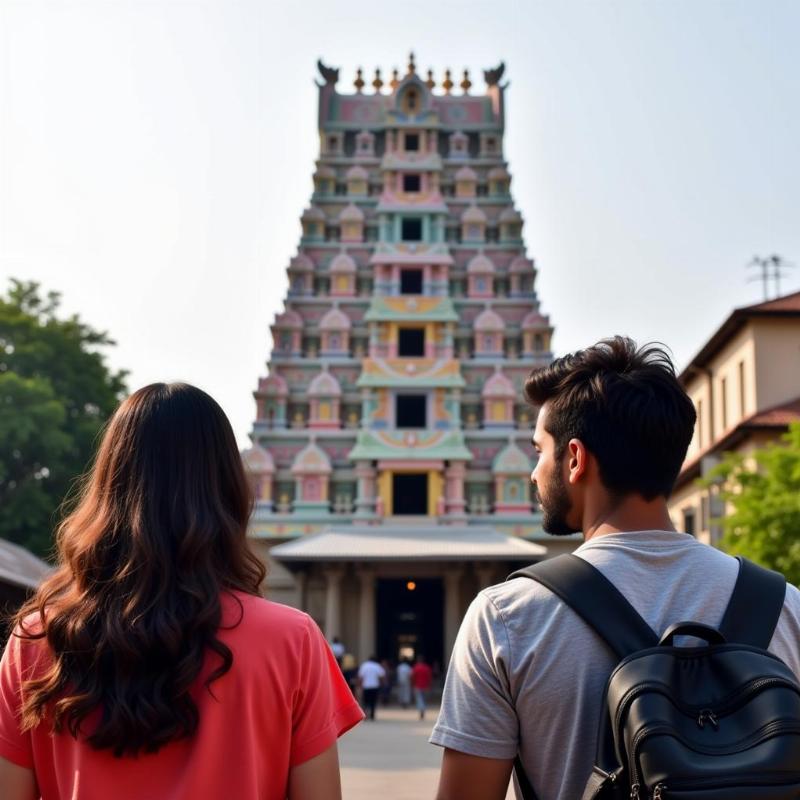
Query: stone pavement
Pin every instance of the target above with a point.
(390, 759)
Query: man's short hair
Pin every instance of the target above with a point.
(626, 405)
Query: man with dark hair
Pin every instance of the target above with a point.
(527, 674)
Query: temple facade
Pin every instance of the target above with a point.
(391, 447)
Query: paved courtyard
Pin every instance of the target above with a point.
(390, 758)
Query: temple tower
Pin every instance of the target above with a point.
(391, 448)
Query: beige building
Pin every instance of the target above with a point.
(745, 385)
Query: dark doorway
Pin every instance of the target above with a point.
(410, 494)
(411, 281)
(411, 229)
(410, 411)
(410, 621)
(411, 342)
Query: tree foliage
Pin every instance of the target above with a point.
(762, 492)
(55, 394)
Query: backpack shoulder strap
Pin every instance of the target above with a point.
(755, 605)
(595, 599)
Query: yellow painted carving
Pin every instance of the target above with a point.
(435, 485)
(385, 490)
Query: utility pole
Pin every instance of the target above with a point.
(772, 268)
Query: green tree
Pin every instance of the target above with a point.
(55, 394)
(762, 492)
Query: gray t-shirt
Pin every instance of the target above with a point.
(528, 675)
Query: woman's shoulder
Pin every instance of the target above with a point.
(253, 615)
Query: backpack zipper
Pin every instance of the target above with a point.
(704, 713)
(762, 734)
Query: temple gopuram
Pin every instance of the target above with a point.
(391, 448)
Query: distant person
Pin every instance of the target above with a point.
(371, 676)
(338, 649)
(403, 674)
(421, 679)
(148, 665)
(349, 667)
(388, 682)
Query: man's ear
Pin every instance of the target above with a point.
(578, 460)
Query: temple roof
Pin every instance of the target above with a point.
(521, 264)
(301, 263)
(419, 373)
(335, 320)
(511, 460)
(534, 320)
(311, 460)
(20, 567)
(408, 543)
(480, 265)
(489, 320)
(314, 214)
(510, 214)
(465, 173)
(498, 173)
(342, 263)
(498, 385)
(356, 173)
(405, 308)
(258, 461)
(351, 213)
(473, 214)
(288, 319)
(422, 445)
(273, 384)
(324, 384)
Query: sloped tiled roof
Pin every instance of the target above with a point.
(433, 543)
(786, 306)
(20, 567)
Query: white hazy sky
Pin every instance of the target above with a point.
(155, 158)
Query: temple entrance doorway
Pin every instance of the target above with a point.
(410, 618)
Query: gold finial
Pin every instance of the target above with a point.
(377, 83)
(466, 83)
(412, 67)
(395, 81)
(447, 84)
(359, 81)
(430, 83)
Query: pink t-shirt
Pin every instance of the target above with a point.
(283, 702)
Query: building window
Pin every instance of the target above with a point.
(411, 141)
(412, 183)
(741, 389)
(689, 525)
(723, 401)
(411, 342)
(411, 411)
(411, 281)
(411, 229)
(704, 521)
(410, 494)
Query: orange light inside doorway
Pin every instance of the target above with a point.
(411, 586)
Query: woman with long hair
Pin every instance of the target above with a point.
(148, 665)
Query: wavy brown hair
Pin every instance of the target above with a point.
(131, 613)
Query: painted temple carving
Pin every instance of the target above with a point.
(411, 320)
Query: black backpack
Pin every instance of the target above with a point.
(717, 722)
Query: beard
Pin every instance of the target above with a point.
(556, 505)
